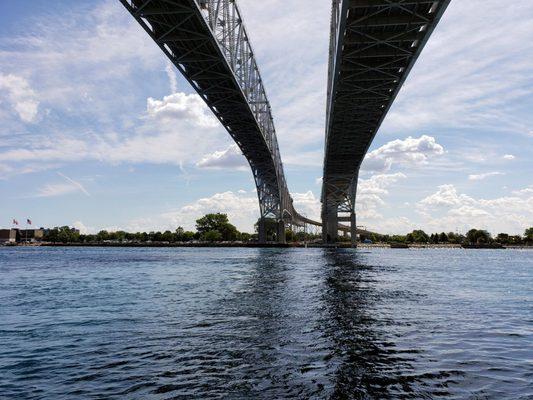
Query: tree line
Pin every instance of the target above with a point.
(216, 227)
(473, 236)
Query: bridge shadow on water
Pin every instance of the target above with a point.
(306, 327)
(367, 362)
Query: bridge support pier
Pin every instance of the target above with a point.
(353, 230)
(261, 228)
(281, 232)
(330, 227)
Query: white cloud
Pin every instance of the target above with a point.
(525, 191)
(307, 204)
(293, 37)
(446, 209)
(509, 157)
(479, 177)
(302, 157)
(20, 95)
(371, 193)
(172, 77)
(84, 230)
(174, 130)
(181, 106)
(75, 183)
(83, 62)
(231, 157)
(242, 208)
(63, 188)
(410, 151)
(56, 189)
(446, 195)
(469, 76)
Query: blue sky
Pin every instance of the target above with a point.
(97, 130)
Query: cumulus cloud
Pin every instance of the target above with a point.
(242, 208)
(371, 193)
(410, 151)
(231, 157)
(448, 208)
(20, 95)
(446, 195)
(307, 204)
(181, 106)
(84, 230)
(479, 177)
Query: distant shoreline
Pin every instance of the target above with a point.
(266, 245)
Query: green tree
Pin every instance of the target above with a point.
(502, 238)
(271, 227)
(290, 236)
(417, 236)
(528, 235)
(102, 235)
(212, 236)
(167, 236)
(478, 236)
(178, 234)
(398, 238)
(188, 236)
(217, 222)
(443, 238)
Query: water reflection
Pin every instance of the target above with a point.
(263, 324)
(368, 365)
(312, 332)
(281, 348)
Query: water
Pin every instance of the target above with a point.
(90, 323)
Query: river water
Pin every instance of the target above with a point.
(179, 323)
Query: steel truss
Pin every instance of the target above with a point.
(208, 43)
(373, 46)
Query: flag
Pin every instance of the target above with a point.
(28, 221)
(15, 222)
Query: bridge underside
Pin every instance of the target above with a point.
(207, 42)
(374, 44)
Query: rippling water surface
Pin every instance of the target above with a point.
(80, 323)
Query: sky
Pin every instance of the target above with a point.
(99, 131)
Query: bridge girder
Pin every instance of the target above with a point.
(373, 46)
(207, 42)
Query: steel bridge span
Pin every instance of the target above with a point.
(207, 42)
(373, 46)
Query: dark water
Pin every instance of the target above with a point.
(265, 324)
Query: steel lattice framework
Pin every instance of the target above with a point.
(208, 43)
(373, 46)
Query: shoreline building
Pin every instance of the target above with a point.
(8, 236)
(15, 235)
